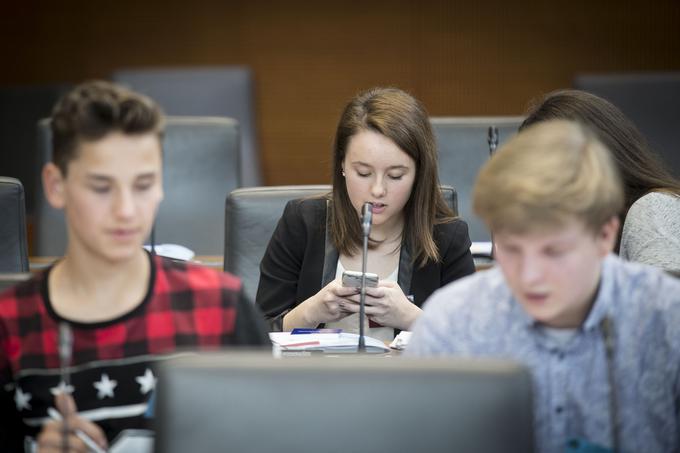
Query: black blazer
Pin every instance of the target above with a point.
(301, 259)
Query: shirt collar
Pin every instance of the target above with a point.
(601, 306)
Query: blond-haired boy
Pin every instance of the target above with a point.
(558, 297)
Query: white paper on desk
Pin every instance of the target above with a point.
(401, 341)
(174, 251)
(481, 248)
(325, 342)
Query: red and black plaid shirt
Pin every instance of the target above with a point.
(187, 307)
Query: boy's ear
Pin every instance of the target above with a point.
(609, 233)
(53, 185)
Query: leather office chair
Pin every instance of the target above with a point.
(21, 107)
(463, 149)
(200, 167)
(650, 100)
(225, 91)
(13, 243)
(251, 215)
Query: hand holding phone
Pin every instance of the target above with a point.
(352, 279)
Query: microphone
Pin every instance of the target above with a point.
(492, 139)
(366, 220)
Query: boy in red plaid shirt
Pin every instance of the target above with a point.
(126, 308)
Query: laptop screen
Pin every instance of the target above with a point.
(254, 403)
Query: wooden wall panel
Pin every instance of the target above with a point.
(309, 58)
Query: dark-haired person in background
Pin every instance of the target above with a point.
(126, 308)
(384, 154)
(651, 212)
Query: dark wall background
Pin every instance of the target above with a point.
(310, 57)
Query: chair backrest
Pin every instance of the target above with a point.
(200, 166)
(650, 100)
(462, 144)
(251, 215)
(8, 279)
(21, 107)
(205, 91)
(13, 243)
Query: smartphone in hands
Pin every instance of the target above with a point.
(352, 279)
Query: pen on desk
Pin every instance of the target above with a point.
(91, 444)
(304, 343)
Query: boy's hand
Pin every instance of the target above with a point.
(52, 436)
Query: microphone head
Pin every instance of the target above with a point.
(492, 138)
(366, 218)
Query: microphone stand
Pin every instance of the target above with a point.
(366, 219)
(65, 353)
(362, 298)
(153, 239)
(492, 140)
(608, 335)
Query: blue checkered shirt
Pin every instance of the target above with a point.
(478, 316)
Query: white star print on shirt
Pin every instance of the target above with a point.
(62, 388)
(105, 387)
(22, 399)
(146, 382)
